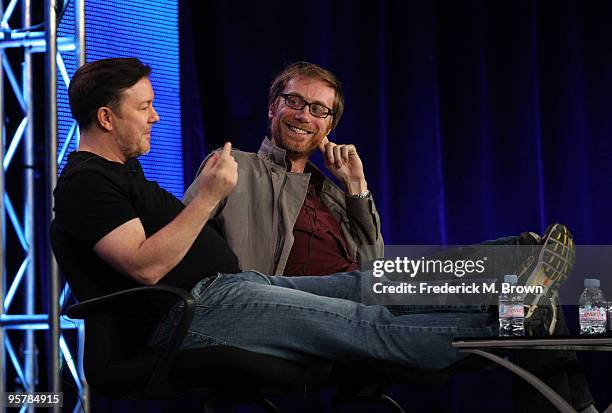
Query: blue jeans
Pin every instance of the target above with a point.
(304, 318)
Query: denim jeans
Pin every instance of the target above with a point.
(301, 318)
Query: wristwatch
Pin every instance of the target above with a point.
(360, 196)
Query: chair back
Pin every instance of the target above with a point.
(116, 359)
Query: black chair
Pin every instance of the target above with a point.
(119, 364)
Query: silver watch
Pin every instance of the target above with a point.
(360, 196)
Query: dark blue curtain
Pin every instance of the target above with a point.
(475, 119)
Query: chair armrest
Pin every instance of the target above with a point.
(101, 304)
(158, 379)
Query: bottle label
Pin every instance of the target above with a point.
(511, 311)
(597, 314)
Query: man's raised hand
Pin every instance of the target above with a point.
(344, 163)
(219, 176)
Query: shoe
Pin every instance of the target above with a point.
(529, 238)
(554, 263)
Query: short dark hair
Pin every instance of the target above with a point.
(313, 71)
(101, 83)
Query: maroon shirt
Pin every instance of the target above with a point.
(319, 247)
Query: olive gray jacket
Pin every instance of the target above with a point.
(258, 216)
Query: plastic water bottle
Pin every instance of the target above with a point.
(592, 308)
(511, 309)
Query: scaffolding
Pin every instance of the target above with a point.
(21, 311)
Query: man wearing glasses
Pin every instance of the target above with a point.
(304, 224)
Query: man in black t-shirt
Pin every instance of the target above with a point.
(103, 200)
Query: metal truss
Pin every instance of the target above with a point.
(21, 294)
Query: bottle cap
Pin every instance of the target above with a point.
(591, 283)
(510, 278)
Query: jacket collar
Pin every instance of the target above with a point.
(270, 151)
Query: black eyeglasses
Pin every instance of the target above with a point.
(297, 102)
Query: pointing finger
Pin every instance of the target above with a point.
(227, 148)
(324, 142)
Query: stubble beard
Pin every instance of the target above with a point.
(136, 149)
(293, 151)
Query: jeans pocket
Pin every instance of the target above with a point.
(204, 285)
(194, 339)
(260, 274)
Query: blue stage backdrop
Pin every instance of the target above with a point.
(473, 119)
(147, 29)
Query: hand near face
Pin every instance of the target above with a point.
(220, 174)
(344, 163)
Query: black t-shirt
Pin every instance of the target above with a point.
(94, 196)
